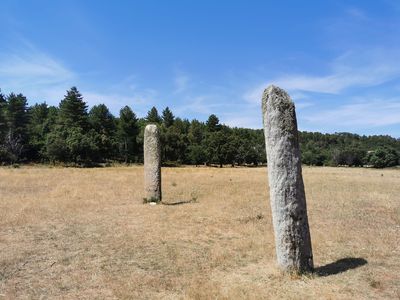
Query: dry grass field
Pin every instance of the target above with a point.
(85, 234)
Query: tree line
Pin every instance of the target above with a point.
(73, 134)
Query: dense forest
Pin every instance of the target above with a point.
(71, 134)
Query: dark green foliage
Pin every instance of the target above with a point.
(213, 123)
(313, 158)
(217, 147)
(383, 157)
(3, 122)
(73, 145)
(14, 128)
(3, 128)
(103, 124)
(71, 138)
(345, 149)
(167, 117)
(196, 154)
(127, 134)
(56, 146)
(70, 134)
(83, 146)
(174, 145)
(153, 116)
(73, 110)
(101, 120)
(196, 132)
(349, 156)
(17, 115)
(249, 146)
(38, 129)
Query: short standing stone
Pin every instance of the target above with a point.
(152, 163)
(288, 201)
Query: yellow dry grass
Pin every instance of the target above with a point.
(85, 234)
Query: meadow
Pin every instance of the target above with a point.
(70, 233)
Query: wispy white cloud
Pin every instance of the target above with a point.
(356, 13)
(204, 104)
(181, 81)
(140, 102)
(35, 73)
(41, 77)
(366, 115)
(34, 66)
(359, 114)
(363, 67)
(248, 120)
(353, 69)
(301, 99)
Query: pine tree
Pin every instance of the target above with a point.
(103, 124)
(213, 123)
(71, 138)
(214, 144)
(17, 119)
(102, 120)
(127, 134)
(3, 123)
(196, 132)
(153, 116)
(37, 130)
(168, 117)
(17, 115)
(73, 110)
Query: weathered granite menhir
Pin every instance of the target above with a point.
(152, 163)
(287, 196)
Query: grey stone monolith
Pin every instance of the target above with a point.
(287, 196)
(152, 163)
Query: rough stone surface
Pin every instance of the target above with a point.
(152, 163)
(288, 201)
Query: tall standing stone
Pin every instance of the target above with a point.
(288, 201)
(152, 163)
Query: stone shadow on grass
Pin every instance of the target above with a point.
(179, 202)
(340, 266)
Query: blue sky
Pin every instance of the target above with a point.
(339, 60)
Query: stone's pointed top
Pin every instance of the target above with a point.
(151, 128)
(274, 90)
(277, 97)
(271, 88)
